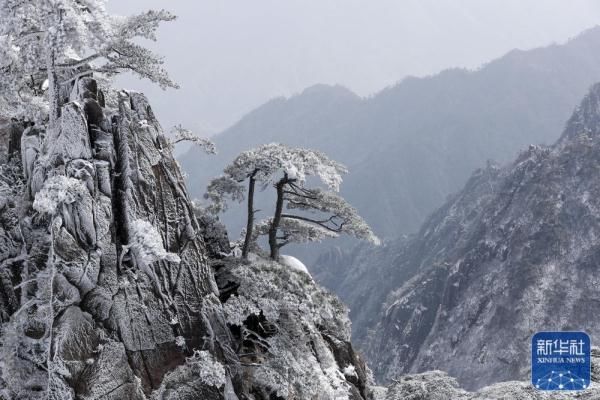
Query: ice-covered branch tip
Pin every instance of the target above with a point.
(56, 191)
(329, 211)
(11, 179)
(146, 244)
(221, 188)
(181, 134)
(143, 25)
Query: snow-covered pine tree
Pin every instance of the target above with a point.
(256, 165)
(324, 213)
(47, 44)
(181, 134)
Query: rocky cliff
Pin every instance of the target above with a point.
(106, 288)
(514, 252)
(91, 317)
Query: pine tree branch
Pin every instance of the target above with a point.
(29, 35)
(322, 223)
(78, 63)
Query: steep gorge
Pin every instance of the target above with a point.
(514, 252)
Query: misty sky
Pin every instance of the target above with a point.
(230, 56)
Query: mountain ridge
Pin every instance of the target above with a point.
(512, 253)
(425, 130)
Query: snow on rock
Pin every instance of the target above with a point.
(293, 336)
(350, 371)
(105, 262)
(57, 191)
(30, 147)
(294, 264)
(147, 245)
(67, 141)
(437, 385)
(103, 183)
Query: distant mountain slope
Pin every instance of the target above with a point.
(411, 145)
(515, 252)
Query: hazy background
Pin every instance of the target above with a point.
(230, 56)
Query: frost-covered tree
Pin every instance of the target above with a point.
(181, 134)
(323, 212)
(46, 44)
(256, 165)
(29, 368)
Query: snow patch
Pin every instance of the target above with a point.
(56, 191)
(180, 341)
(291, 170)
(294, 264)
(147, 244)
(350, 371)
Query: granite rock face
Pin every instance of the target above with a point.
(107, 286)
(10, 139)
(83, 316)
(515, 252)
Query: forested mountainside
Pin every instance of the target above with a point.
(107, 287)
(515, 252)
(411, 145)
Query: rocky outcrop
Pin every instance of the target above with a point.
(86, 316)
(513, 253)
(107, 289)
(293, 337)
(437, 385)
(214, 234)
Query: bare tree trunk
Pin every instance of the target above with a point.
(250, 218)
(53, 90)
(276, 219)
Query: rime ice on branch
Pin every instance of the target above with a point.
(45, 45)
(322, 214)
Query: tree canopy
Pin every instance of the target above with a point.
(47, 44)
(314, 213)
